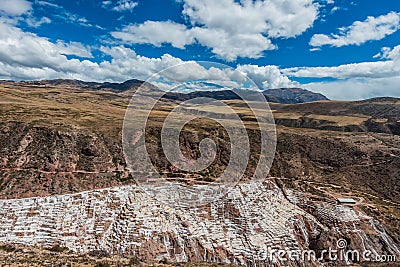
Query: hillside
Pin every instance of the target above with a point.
(59, 139)
(380, 115)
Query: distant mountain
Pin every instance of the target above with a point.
(115, 87)
(292, 95)
(69, 83)
(282, 95)
(121, 87)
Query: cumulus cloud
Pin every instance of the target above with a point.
(389, 53)
(15, 11)
(26, 56)
(377, 69)
(373, 28)
(229, 28)
(358, 80)
(267, 77)
(126, 64)
(156, 33)
(275, 18)
(74, 48)
(125, 5)
(229, 47)
(357, 89)
(21, 51)
(121, 5)
(15, 7)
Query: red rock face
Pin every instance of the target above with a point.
(39, 161)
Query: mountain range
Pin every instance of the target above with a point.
(281, 95)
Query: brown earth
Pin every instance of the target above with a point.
(61, 138)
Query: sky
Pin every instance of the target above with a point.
(344, 49)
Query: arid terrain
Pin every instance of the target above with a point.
(61, 142)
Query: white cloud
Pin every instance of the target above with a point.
(357, 89)
(15, 7)
(389, 53)
(156, 33)
(15, 11)
(358, 80)
(378, 69)
(126, 64)
(335, 9)
(221, 43)
(34, 22)
(230, 46)
(364, 69)
(27, 50)
(229, 28)
(275, 18)
(125, 5)
(26, 56)
(74, 48)
(46, 3)
(267, 77)
(121, 5)
(106, 3)
(373, 28)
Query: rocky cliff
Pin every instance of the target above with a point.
(37, 160)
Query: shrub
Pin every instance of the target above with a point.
(134, 261)
(102, 264)
(7, 248)
(58, 248)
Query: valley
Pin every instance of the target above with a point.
(64, 180)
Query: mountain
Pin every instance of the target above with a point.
(77, 84)
(282, 95)
(60, 151)
(292, 95)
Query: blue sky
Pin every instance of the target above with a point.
(343, 49)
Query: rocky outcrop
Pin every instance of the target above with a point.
(39, 161)
(369, 126)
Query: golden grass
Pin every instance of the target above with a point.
(97, 111)
(341, 120)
